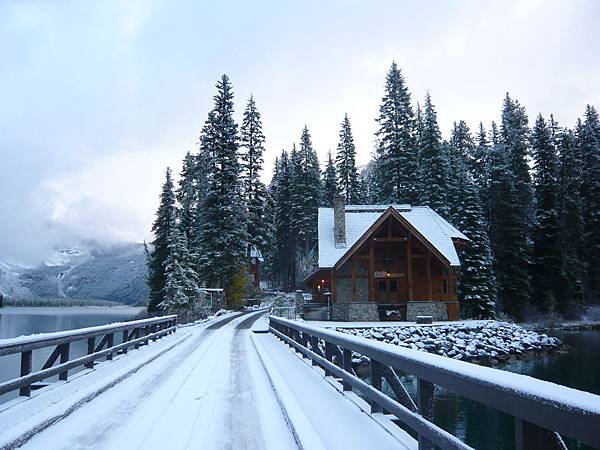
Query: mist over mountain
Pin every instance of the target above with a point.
(87, 271)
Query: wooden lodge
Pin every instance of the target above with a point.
(391, 262)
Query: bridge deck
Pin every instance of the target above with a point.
(210, 391)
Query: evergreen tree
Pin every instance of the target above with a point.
(514, 135)
(396, 154)
(182, 286)
(306, 193)
(434, 168)
(546, 260)
(252, 146)
(477, 287)
(283, 248)
(588, 143)
(345, 160)
(224, 235)
(330, 186)
(572, 243)
(479, 166)
(508, 236)
(159, 251)
(187, 196)
(457, 153)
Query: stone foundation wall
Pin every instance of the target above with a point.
(366, 312)
(435, 309)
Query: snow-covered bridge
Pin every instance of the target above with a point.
(204, 386)
(232, 383)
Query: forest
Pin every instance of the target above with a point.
(525, 192)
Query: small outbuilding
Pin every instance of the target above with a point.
(386, 262)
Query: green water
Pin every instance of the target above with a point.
(484, 428)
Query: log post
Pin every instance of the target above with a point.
(25, 370)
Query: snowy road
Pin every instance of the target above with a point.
(209, 392)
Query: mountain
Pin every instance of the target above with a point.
(90, 271)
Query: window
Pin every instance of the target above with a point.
(393, 286)
(382, 286)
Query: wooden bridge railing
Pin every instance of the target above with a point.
(134, 334)
(541, 410)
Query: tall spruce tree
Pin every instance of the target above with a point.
(159, 250)
(330, 185)
(396, 154)
(457, 153)
(182, 284)
(224, 235)
(570, 290)
(345, 161)
(254, 190)
(434, 168)
(477, 287)
(306, 193)
(508, 235)
(546, 259)
(479, 166)
(588, 142)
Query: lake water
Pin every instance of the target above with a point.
(19, 321)
(484, 428)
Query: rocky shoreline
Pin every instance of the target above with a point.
(482, 342)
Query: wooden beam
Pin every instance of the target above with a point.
(428, 267)
(390, 239)
(409, 266)
(333, 289)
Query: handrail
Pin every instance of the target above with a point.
(134, 333)
(536, 405)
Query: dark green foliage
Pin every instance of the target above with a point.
(457, 153)
(306, 192)
(330, 186)
(434, 165)
(224, 237)
(546, 261)
(254, 191)
(570, 289)
(345, 161)
(396, 168)
(159, 251)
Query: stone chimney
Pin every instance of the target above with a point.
(339, 220)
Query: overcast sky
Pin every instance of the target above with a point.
(97, 98)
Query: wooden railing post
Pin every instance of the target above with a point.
(110, 338)
(376, 383)
(137, 335)
(314, 346)
(328, 356)
(347, 365)
(25, 370)
(125, 339)
(64, 357)
(425, 391)
(91, 344)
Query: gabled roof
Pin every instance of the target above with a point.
(255, 253)
(436, 231)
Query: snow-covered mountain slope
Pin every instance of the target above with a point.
(116, 273)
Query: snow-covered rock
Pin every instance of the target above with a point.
(484, 340)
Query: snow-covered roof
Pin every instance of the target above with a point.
(359, 218)
(255, 253)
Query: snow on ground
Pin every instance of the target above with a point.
(208, 392)
(475, 340)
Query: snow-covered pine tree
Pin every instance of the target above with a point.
(514, 134)
(546, 261)
(187, 196)
(224, 235)
(479, 166)
(570, 216)
(508, 235)
(477, 283)
(588, 143)
(457, 153)
(433, 179)
(254, 190)
(396, 153)
(345, 162)
(181, 288)
(283, 245)
(159, 251)
(306, 192)
(330, 186)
